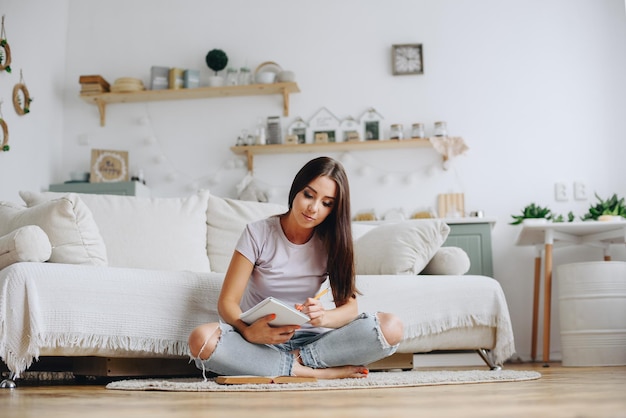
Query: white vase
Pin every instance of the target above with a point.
(216, 81)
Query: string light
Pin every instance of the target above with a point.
(151, 140)
(352, 163)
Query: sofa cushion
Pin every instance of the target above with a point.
(69, 224)
(28, 243)
(399, 248)
(226, 220)
(448, 261)
(149, 233)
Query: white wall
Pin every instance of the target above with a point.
(535, 88)
(36, 33)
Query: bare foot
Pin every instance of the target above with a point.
(341, 372)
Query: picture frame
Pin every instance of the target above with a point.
(108, 166)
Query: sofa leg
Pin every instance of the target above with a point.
(486, 356)
(8, 383)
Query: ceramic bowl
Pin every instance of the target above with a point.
(265, 77)
(286, 76)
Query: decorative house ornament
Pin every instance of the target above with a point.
(324, 122)
(407, 59)
(371, 125)
(5, 52)
(21, 97)
(108, 166)
(298, 128)
(349, 130)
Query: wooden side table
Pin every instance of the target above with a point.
(545, 236)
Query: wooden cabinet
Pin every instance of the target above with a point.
(103, 99)
(473, 236)
(126, 188)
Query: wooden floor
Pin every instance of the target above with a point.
(561, 392)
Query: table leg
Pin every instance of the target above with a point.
(533, 350)
(547, 303)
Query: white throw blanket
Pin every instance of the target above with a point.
(137, 313)
(45, 305)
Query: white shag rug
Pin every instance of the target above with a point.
(374, 380)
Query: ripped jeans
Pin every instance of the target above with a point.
(358, 343)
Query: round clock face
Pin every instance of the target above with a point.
(407, 59)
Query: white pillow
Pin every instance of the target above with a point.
(70, 227)
(148, 233)
(226, 220)
(399, 248)
(28, 243)
(361, 228)
(448, 261)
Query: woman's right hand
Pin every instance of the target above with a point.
(261, 332)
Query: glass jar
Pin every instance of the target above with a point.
(244, 76)
(417, 130)
(231, 77)
(441, 129)
(396, 132)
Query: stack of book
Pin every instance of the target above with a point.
(93, 84)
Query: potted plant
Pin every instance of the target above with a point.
(559, 217)
(532, 212)
(612, 208)
(216, 60)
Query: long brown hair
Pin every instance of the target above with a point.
(335, 231)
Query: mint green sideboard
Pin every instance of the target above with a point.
(126, 188)
(475, 238)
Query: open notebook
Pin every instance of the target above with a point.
(285, 314)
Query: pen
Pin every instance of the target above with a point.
(319, 295)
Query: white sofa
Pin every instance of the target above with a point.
(102, 277)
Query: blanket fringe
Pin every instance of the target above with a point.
(19, 364)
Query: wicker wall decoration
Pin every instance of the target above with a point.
(4, 140)
(5, 51)
(21, 97)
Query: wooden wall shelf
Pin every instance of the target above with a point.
(251, 150)
(103, 99)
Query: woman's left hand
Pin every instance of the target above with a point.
(315, 310)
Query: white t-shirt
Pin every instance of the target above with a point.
(287, 271)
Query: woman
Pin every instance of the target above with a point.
(289, 257)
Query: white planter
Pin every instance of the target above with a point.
(535, 221)
(605, 218)
(592, 308)
(216, 81)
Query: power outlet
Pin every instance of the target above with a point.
(580, 190)
(560, 192)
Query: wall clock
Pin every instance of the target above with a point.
(407, 59)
